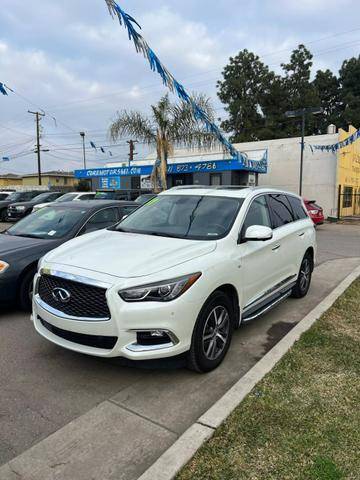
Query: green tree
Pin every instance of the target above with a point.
(327, 88)
(349, 77)
(170, 125)
(246, 80)
(300, 91)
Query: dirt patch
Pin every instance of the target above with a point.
(275, 333)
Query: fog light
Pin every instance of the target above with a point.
(152, 337)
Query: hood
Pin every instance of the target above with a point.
(12, 244)
(127, 255)
(22, 204)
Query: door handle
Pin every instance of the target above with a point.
(276, 247)
(301, 234)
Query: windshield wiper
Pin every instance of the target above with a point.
(27, 235)
(161, 234)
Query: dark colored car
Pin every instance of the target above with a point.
(18, 210)
(4, 195)
(23, 244)
(315, 211)
(16, 197)
(146, 197)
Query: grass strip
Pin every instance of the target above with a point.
(302, 421)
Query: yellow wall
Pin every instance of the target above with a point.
(54, 181)
(349, 171)
(9, 182)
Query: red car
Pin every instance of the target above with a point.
(315, 212)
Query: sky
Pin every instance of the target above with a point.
(71, 60)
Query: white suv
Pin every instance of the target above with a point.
(177, 275)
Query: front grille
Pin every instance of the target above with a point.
(86, 301)
(97, 341)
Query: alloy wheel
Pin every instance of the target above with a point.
(216, 332)
(305, 274)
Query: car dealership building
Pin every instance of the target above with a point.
(274, 163)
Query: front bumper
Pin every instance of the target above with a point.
(119, 334)
(14, 216)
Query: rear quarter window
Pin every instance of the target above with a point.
(297, 207)
(280, 209)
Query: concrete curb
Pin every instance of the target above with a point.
(171, 461)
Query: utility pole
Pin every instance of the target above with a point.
(302, 113)
(38, 115)
(82, 134)
(131, 150)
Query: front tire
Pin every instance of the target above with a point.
(212, 333)
(303, 282)
(25, 290)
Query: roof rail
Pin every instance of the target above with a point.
(213, 187)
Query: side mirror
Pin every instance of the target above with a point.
(258, 233)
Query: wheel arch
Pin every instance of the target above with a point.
(231, 291)
(310, 251)
(26, 270)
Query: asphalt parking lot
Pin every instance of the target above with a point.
(134, 411)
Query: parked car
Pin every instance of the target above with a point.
(4, 195)
(16, 197)
(315, 212)
(24, 243)
(18, 210)
(177, 275)
(146, 197)
(68, 197)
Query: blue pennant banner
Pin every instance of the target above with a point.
(2, 89)
(336, 146)
(6, 159)
(168, 79)
(92, 144)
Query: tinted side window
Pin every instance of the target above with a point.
(298, 209)
(281, 211)
(102, 219)
(258, 214)
(127, 210)
(87, 197)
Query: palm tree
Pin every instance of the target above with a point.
(170, 125)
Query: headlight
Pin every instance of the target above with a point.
(3, 266)
(20, 209)
(161, 291)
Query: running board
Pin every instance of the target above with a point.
(267, 307)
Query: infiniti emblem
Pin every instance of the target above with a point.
(61, 295)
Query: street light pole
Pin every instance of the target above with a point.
(82, 134)
(302, 113)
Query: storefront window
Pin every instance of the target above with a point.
(215, 179)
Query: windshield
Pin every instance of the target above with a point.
(184, 216)
(48, 223)
(68, 197)
(104, 195)
(42, 197)
(15, 196)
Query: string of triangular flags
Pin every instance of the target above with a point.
(92, 145)
(174, 86)
(336, 146)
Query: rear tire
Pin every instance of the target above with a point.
(212, 333)
(25, 290)
(303, 282)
